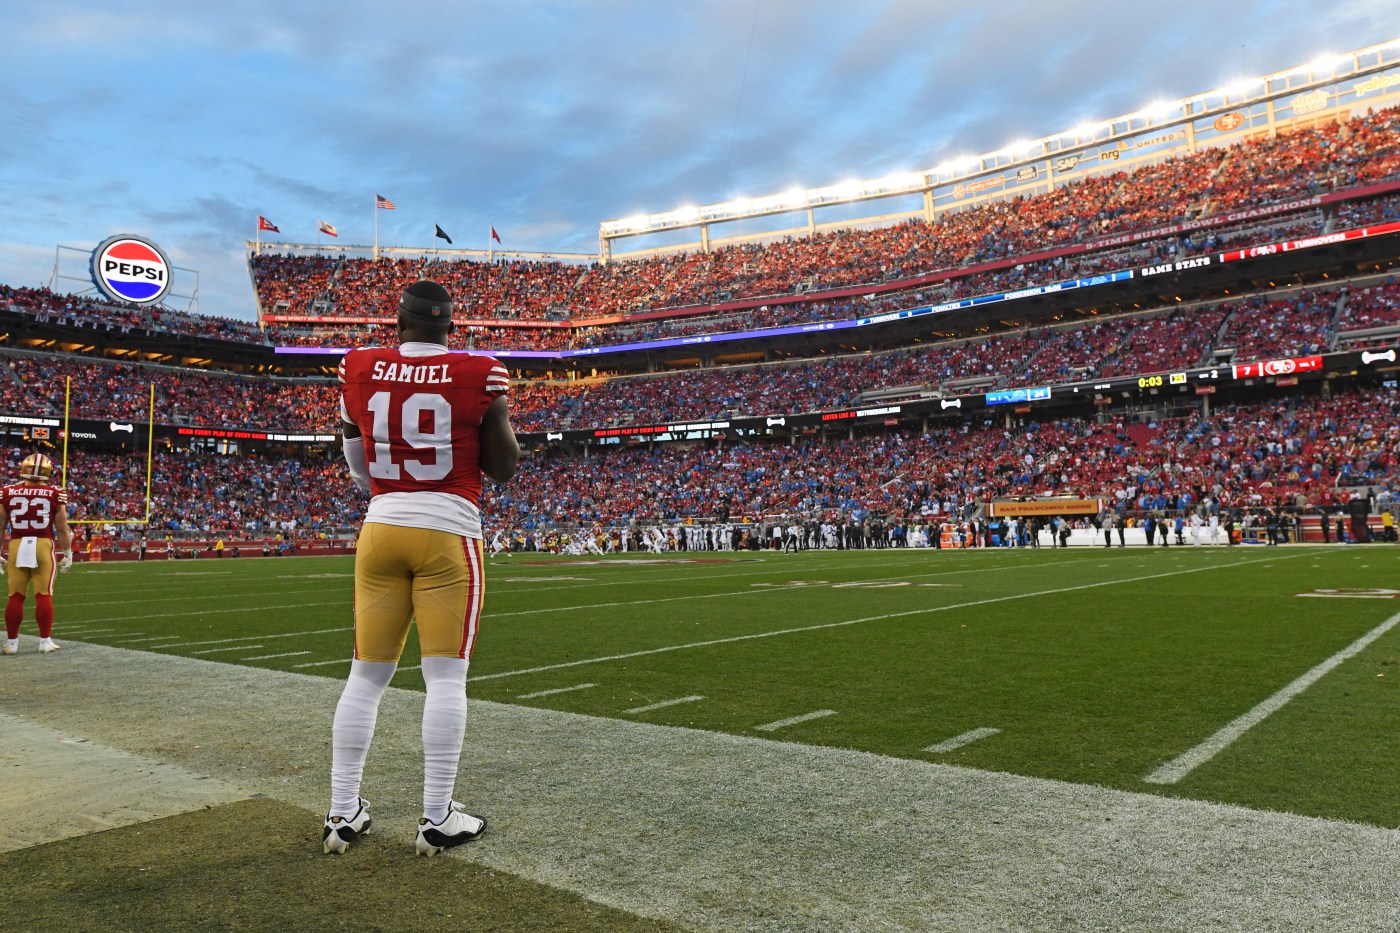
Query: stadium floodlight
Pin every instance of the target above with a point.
(1241, 88)
(1158, 110)
(847, 190)
(688, 214)
(1085, 129)
(793, 198)
(1325, 63)
(901, 181)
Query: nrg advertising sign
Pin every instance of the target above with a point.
(132, 269)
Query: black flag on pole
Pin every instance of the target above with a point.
(438, 232)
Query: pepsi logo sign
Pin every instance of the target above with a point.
(131, 268)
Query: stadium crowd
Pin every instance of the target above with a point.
(1257, 327)
(1282, 453)
(1212, 181)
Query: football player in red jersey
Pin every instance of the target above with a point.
(36, 512)
(420, 427)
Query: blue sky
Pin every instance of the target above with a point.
(183, 122)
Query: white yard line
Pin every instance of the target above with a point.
(323, 663)
(415, 667)
(958, 741)
(550, 693)
(224, 641)
(281, 609)
(845, 622)
(662, 705)
(266, 657)
(794, 720)
(1190, 760)
(232, 648)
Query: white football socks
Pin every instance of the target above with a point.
(444, 725)
(353, 729)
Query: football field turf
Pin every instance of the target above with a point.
(1207, 673)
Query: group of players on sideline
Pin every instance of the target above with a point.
(1206, 525)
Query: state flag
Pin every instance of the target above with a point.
(327, 229)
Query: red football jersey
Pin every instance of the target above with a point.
(421, 417)
(31, 508)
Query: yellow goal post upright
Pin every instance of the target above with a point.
(150, 456)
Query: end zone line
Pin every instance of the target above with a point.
(1190, 760)
(880, 618)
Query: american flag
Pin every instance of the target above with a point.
(383, 203)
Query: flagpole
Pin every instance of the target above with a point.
(376, 227)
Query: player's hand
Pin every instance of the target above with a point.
(3, 562)
(66, 562)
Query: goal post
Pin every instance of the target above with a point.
(150, 457)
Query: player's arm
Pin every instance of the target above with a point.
(351, 440)
(63, 535)
(500, 451)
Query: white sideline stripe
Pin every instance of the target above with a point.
(264, 657)
(547, 693)
(1190, 760)
(889, 615)
(323, 663)
(210, 612)
(662, 705)
(958, 741)
(794, 720)
(231, 648)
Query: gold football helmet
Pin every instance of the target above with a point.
(36, 467)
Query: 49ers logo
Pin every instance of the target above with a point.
(1229, 121)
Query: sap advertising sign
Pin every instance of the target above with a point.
(131, 268)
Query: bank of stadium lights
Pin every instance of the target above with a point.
(915, 182)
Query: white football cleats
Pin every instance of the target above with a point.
(36, 467)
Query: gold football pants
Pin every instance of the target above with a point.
(42, 576)
(403, 575)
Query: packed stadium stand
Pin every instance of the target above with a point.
(1210, 330)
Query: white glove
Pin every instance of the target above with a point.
(66, 562)
(3, 562)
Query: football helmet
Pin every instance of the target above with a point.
(36, 467)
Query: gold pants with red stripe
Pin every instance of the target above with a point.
(42, 576)
(407, 575)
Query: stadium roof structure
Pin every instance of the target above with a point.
(1316, 75)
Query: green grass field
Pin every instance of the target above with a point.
(1092, 666)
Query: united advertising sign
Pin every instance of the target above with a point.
(132, 269)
